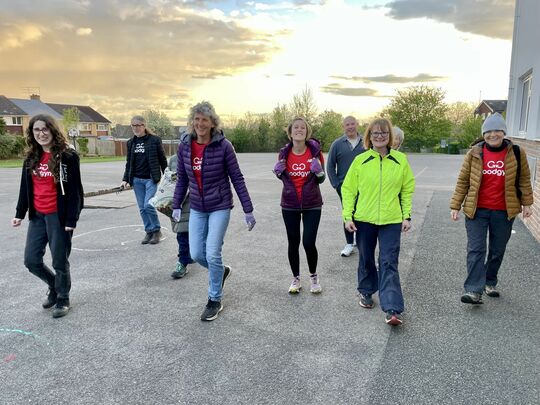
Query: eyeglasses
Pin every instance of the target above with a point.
(44, 131)
(380, 134)
(137, 125)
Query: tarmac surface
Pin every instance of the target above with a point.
(133, 335)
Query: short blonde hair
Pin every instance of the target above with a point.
(308, 127)
(384, 124)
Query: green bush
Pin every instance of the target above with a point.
(83, 145)
(11, 145)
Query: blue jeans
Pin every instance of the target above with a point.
(144, 190)
(479, 271)
(387, 280)
(183, 248)
(44, 229)
(206, 234)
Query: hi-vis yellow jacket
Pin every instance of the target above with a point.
(381, 187)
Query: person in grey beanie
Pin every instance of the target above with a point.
(493, 187)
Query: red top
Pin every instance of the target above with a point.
(491, 193)
(298, 168)
(197, 152)
(44, 187)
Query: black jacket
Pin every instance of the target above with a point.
(157, 162)
(69, 191)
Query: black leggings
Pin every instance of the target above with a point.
(311, 219)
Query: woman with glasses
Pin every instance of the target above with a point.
(52, 194)
(145, 163)
(377, 202)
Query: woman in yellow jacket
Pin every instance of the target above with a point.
(493, 186)
(377, 200)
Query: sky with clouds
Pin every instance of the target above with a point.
(125, 56)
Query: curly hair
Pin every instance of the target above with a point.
(206, 109)
(34, 151)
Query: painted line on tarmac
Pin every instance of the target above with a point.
(122, 243)
(421, 171)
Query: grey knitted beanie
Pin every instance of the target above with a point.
(494, 122)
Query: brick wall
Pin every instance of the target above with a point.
(532, 148)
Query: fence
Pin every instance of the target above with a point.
(118, 147)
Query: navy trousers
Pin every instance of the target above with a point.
(387, 280)
(482, 272)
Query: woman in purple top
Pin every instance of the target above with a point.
(300, 168)
(207, 165)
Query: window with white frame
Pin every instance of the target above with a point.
(102, 127)
(84, 126)
(526, 86)
(16, 120)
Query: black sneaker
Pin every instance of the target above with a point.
(226, 273)
(471, 298)
(213, 308)
(492, 291)
(393, 318)
(51, 299)
(61, 309)
(155, 238)
(146, 239)
(365, 301)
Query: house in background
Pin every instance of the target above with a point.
(17, 113)
(523, 113)
(488, 107)
(91, 123)
(12, 115)
(34, 106)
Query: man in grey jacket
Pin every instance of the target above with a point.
(340, 157)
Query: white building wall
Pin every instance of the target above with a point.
(525, 60)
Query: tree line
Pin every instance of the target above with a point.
(420, 111)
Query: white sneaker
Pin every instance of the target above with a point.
(295, 286)
(347, 250)
(315, 285)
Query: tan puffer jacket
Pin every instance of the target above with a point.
(470, 177)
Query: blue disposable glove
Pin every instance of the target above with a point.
(250, 220)
(176, 214)
(279, 168)
(316, 167)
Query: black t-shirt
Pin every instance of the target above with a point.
(142, 170)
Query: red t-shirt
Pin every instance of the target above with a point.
(491, 193)
(298, 168)
(44, 187)
(197, 152)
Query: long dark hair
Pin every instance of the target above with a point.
(34, 151)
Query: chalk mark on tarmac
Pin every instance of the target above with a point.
(19, 331)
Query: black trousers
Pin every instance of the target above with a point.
(42, 230)
(310, 219)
